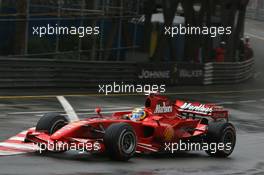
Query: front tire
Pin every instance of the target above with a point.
(51, 122)
(221, 133)
(120, 141)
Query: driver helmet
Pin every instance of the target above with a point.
(138, 114)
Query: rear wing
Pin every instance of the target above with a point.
(197, 109)
(161, 105)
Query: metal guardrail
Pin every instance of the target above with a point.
(228, 73)
(62, 73)
(51, 73)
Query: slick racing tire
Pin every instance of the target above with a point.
(120, 141)
(51, 122)
(221, 139)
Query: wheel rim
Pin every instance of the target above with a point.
(229, 137)
(58, 125)
(128, 142)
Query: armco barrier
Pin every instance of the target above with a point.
(58, 73)
(228, 73)
(55, 73)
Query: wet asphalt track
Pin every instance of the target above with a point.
(245, 103)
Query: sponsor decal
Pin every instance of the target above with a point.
(162, 108)
(146, 74)
(200, 108)
(184, 73)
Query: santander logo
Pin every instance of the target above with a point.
(200, 108)
(162, 108)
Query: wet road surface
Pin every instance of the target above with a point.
(246, 113)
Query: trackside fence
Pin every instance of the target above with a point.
(60, 73)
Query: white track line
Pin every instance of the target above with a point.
(32, 112)
(236, 102)
(91, 113)
(68, 109)
(81, 110)
(225, 103)
(106, 108)
(247, 101)
(255, 36)
(19, 146)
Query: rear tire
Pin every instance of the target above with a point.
(51, 122)
(120, 141)
(221, 133)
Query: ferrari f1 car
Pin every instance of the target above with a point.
(147, 130)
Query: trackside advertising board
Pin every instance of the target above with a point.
(171, 73)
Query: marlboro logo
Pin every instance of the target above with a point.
(200, 108)
(162, 109)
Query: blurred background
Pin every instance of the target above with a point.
(119, 35)
(131, 31)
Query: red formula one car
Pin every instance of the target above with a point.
(161, 126)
